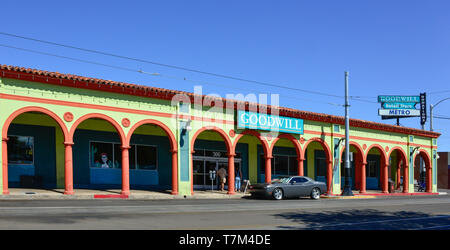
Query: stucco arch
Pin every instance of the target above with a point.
(172, 139)
(383, 166)
(291, 138)
(228, 143)
(5, 128)
(115, 124)
(427, 159)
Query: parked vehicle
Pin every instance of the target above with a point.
(289, 187)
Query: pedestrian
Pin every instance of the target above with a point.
(237, 179)
(222, 174)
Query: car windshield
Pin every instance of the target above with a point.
(281, 180)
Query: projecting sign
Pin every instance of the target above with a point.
(393, 106)
(269, 122)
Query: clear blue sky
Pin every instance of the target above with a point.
(388, 47)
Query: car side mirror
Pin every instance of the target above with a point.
(293, 183)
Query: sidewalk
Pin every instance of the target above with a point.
(87, 194)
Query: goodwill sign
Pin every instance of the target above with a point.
(269, 122)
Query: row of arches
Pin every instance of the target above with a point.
(402, 167)
(68, 135)
(125, 138)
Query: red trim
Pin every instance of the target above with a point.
(291, 138)
(110, 196)
(228, 143)
(358, 148)
(99, 116)
(264, 143)
(160, 114)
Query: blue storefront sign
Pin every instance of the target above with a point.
(406, 105)
(398, 99)
(254, 120)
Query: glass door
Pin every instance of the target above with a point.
(199, 173)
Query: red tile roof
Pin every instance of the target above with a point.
(70, 80)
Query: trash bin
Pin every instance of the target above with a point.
(391, 188)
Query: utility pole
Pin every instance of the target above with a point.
(347, 188)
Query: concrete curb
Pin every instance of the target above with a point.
(350, 197)
(129, 197)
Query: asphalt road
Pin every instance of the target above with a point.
(390, 213)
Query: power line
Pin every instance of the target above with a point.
(172, 66)
(148, 73)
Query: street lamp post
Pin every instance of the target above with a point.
(431, 111)
(347, 188)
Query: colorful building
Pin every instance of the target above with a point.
(70, 132)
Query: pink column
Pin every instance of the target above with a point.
(5, 164)
(68, 168)
(399, 173)
(125, 171)
(174, 172)
(385, 177)
(300, 166)
(231, 174)
(268, 169)
(329, 176)
(429, 187)
(406, 179)
(363, 178)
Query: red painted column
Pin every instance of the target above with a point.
(231, 174)
(125, 171)
(174, 172)
(5, 164)
(329, 176)
(398, 175)
(192, 173)
(429, 187)
(363, 178)
(68, 168)
(268, 169)
(385, 177)
(300, 166)
(406, 179)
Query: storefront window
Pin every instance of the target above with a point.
(102, 155)
(280, 165)
(146, 157)
(109, 155)
(20, 150)
(371, 169)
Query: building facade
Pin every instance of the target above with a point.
(79, 132)
(444, 170)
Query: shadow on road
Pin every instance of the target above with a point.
(365, 219)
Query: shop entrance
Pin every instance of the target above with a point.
(204, 164)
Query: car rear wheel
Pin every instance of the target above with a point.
(315, 194)
(277, 194)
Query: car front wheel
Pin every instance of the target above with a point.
(277, 194)
(315, 194)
